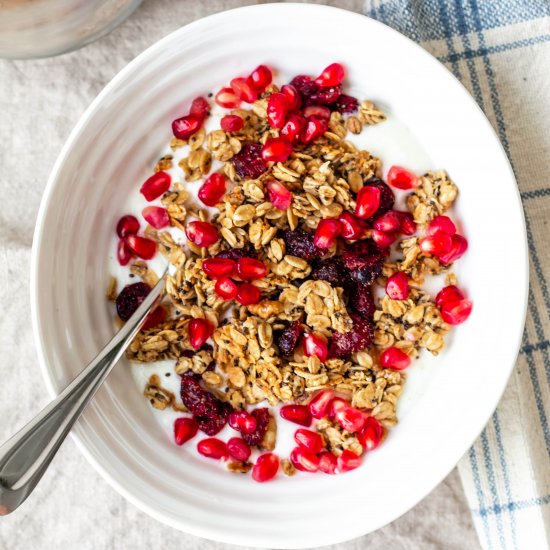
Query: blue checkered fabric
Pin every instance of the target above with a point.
(500, 50)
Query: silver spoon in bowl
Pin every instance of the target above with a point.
(25, 456)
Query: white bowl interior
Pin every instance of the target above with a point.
(113, 149)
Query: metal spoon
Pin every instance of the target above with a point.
(25, 457)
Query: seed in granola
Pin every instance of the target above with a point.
(213, 189)
(437, 244)
(307, 439)
(315, 128)
(304, 460)
(243, 422)
(320, 405)
(261, 77)
(397, 286)
(351, 419)
(371, 434)
(127, 225)
(316, 345)
(248, 294)
(294, 100)
(456, 312)
(156, 317)
(212, 447)
(368, 202)
(293, 128)
(276, 150)
(156, 216)
(123, 252)
(387, 198)
(199, 331)
(156, 185)
(394, 358)
(186, 126)
(326, 233)
(266, 467)
(299, 414)
(401, 178)
(226, 289)
(238, 449)
(231, 123)
(347, 461)
(184, 430)
(327, 462)
(201, 233)
(277, 109)
(141, 246)
(459, 246)
(227, 98)
(219, 267)
(279, 196)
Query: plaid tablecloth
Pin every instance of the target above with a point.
(499, 49)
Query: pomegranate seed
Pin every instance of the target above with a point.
(219, 267)
(199, 330)
(200, 107)
(261, 78)
(293, 97)
(395, 359)
(316, 344)
(348, 461)
(321, 404)
(213, 189)
(408, 226)
(441, 224)
(390, 222)
(317, 111)
(156, 317)
(293, 128)
(186, 126)
(371, 435)
(201, 233)
(238, 449)
(231, 123)
(383, 240)
(397, 286)
(123, 252)
(243, 422)
(350, 418)
(156, 186)
(127, 225)
(266, 467)
(331, 76)
(277, 109)
(212, 447)
(401, 178)
(142, 247)
(156, 216)
(276, 150)
(450, 293)
(326, 233)
(278, 195)
(456, 312)
(248, 294)
(327, 462)
(226, 289)
(184, 430)
(244, 89)
(250, 269)
(352, 228)
(304, 460)
(227, 98)
(299, 414)
(459, 245)
(440, 243)
(315, 128)
(312, 441)
(367, 202)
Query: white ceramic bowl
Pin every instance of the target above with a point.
(111, 151)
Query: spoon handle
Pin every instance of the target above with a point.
(25, 456)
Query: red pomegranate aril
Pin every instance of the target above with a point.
(212, 447)
(331, 76)
(250, 269)
(397, 286)
(277, 109)
(292, 96)
(203, 234)
(156, 317)
(278, 195)
(441, 224)
(371, 435)
(326, 233)
(248, 294)
(213, 189)
(242, 421)
(141, 246)
(238, 449)
(219, 267)
(304, 460)
(352, 227)
(367, 202)
(184, 430)
(401, 178)
(231, 123)
(395, 359)
(299, 414)
(261, 77)
(127, 225)
(456, 312)
(459, 245)
(199, 330)
(316, 345)
(320, 405)
(276, 150)
(314, 129)
(390, 222)
(156, 216)
(437, 244)
(383, 240)
(156, 186)
(317, 111)
(200, 107)
(266, 467)
(226, 289)
(327, 462)
(350, 418)
(293, 128)
(227, 98)
(348, 461)
(186, 126)
(312, 441)
(123, 252)
(244, 89)
(408, 225)
(449, 293)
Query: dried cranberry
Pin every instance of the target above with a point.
(130, 299)
(346, 104)
(300, 243)
(236, 253)
(331, 270)
(358, 338)
(364, 260)
(287, 339)
(305, 85)
(262, 417)
(248, 161)
(325, 96)
(361, 300)
(387, 198)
